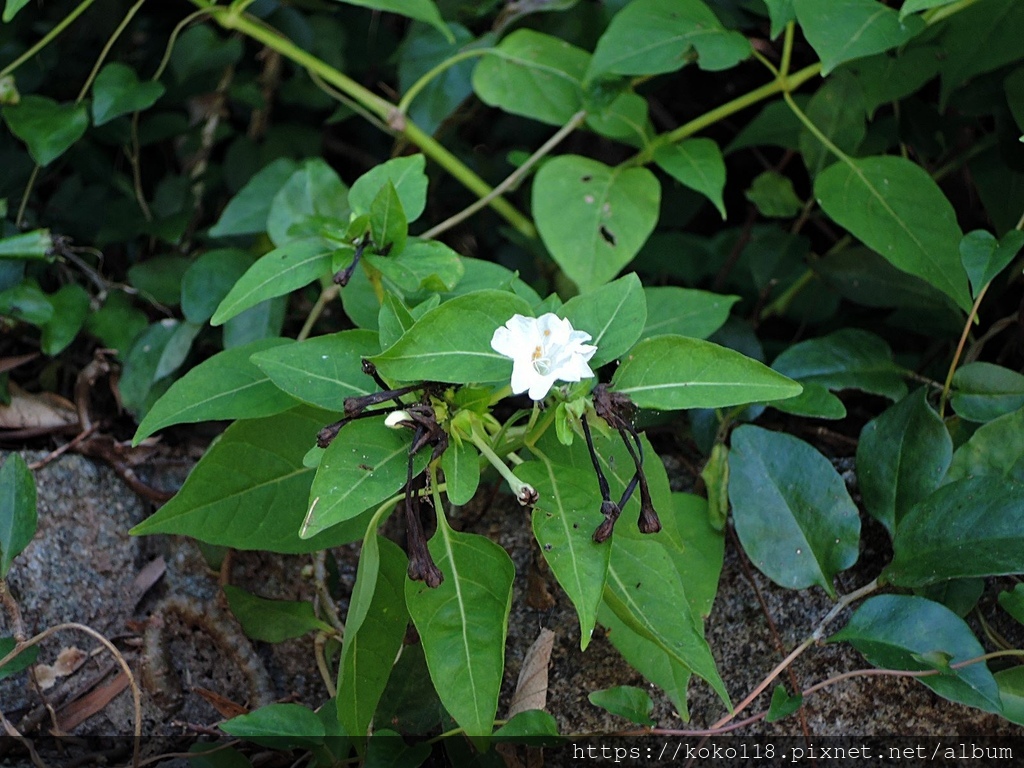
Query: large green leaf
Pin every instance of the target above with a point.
(389, 227)
(842, 30)
(463, 624)
(685, 312)
(273, 621)
(422, 265)
(996, 448)
(372, 644)
(246, 213)
(421, 10)
(902, 631)
(894, 207)
(209, 279)
(48, 128)
(980, 39)
(645, 592)
(697, 164)
(453, 342)
(533, 75)
(281, 271)
(406, 174)
(649, 37)
(973, 527)
(227, 386)
(70, 308)
(593, 218)
(847, 359)
(792, 511)
(324, 370)
(312, 193)
(279, 726)
(118, 91)
(983, 391)
(365, 463)
(17, 509)
(614, 315)
(675, 372)
(836, 109)
(901, 458)
(249, 490)
(564, 520)
(696, 547)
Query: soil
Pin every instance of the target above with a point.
(194, 663)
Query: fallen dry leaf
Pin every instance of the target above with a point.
(42, 411)
(81, 709)
(147, 577)
(68, 660)
(532, 686)
(225, 707)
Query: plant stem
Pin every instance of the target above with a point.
(327, 295)
(48, 37)
(948, 383)
(517, 485)
(816, 131)
(512, 179)
(106, 49)
(424, 81)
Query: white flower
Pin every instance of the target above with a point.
(544, 350)
(396, 419)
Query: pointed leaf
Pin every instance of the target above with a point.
(421, 10)
(388, 225)
(249, 490)
(837, 110)
(973, 527)
(279, 726)
(901, 458)
(421, 265)
(324, 370)
(452, 343)
(675, 372)
(209, 279)
(626, 701)
(312, 193)
(983, 391)
(893, 631)
(984, 257)
(281, 271)
(791, 509)
(685, 312)
(614, 315)
(783, 705)
(593, 218)
(48, 128)
(17, 510)
(996, 448)
(70, 308)
(117, 91)
(463, 624)
(246, 213)
(697, 164)
(227, 386)
(406, 174)
(895, 208)
(273, 621)
(461, 465)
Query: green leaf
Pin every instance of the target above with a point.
(422, 265)
(776, 126)
(36, 244)
(48, 128)
(774, 196)
(895, 631)
(23, 660)
(209, 279)
(846, 359)
(421, 10)
(650, 37)
(973, 527)
(388, 225)
(891, 77)
(697, 164)
(815, 402)
(422, 49)
(311, 194)
(26, 302)
(279, 726)
(837, 110)
(996, 448)
(685, 312)
(982, 38)
(530, 727)
(564, 519)
(17, 510)
(225, 386)
(117, 91)
(388, 749)
(781, 13)
(645, 592)
(370, 648)
(246, 213)
(593, 218)
(117, 323)
(11, 7)
(70, 307)
(901, 458)
(913, 6)
(281, 271)
(791, 509)
(249, 491)
(696, 547)
(461, 465)
(1011, 693)
(895, 208)
(843, 30)
(452, 343)
(406, 174)
(862, 276)
(159, 278)
(614, 315)
(984, 257)
(463, 624)
(1013, 602)
(273, 621)
(983, 391)
(783, 705)
(625, 118)
(626, 701)
(393, 320)
(533, 75)
(675, 372)
(324, 370)
(364, 465)
(154, 350)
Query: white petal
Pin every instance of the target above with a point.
(541, 386)
(575, 369)
(523, 376)
(503, 343)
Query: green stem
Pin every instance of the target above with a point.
(816, 131)
(169, 48)
(517, 485)
(106, 49)
(935, 15)
(48, 37)
(787, 51)
(781, 304)
(423, 82)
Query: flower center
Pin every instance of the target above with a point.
(541, 364)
